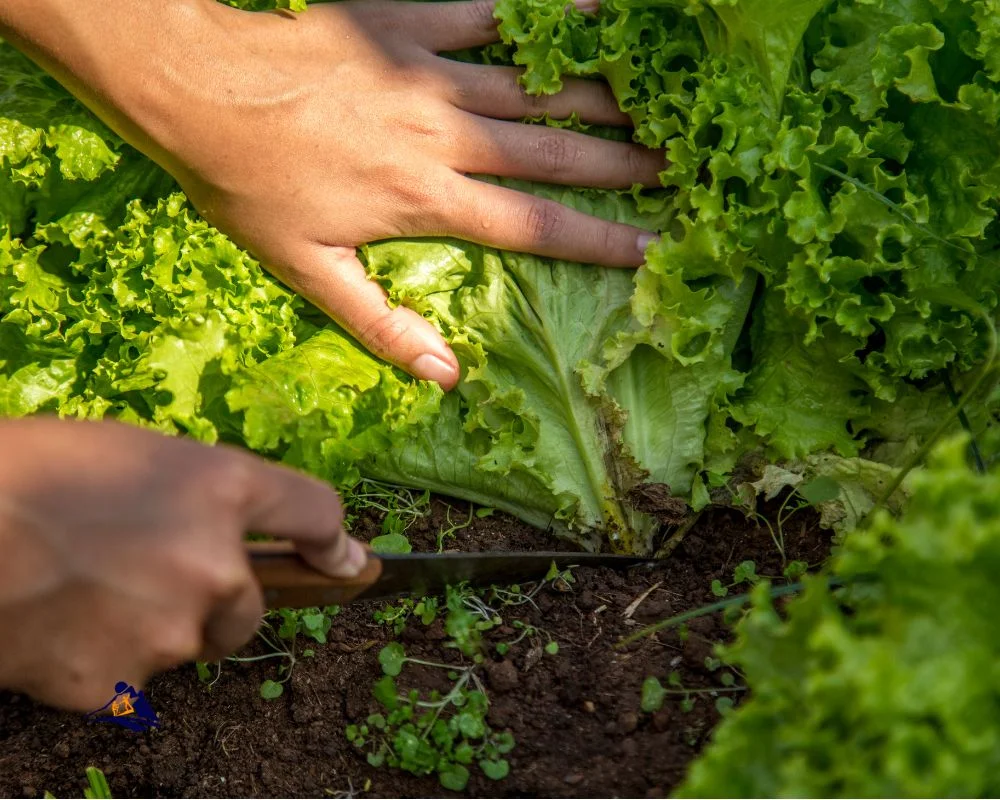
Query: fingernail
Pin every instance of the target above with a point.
(431, 368)
(645, 240)
(587, 6)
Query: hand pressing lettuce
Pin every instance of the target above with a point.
(818, 292)
(303, 136)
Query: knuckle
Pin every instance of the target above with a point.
(532, 105)
(383, 333)
(215, 571)
(430, 82)
(383, 16)
(419, 198)
(463, 92)
(480, 15)
(557, 153)
(427, 124)
(175, 642)
(414, 86)
(227, 481)
(535, 105)
(612, 238)
(637, 161)
(210, 573)
(644, 165)
(546, 221)
(80, 683)
(223, 579)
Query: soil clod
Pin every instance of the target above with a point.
(503, 676)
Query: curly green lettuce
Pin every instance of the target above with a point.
(832, 189)
(886, 687)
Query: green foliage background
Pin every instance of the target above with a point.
(828, 251)
(888, 687)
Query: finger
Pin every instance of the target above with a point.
(334, 279)
(282, 502)
(541, 153)
(495, 92)
(456, 25)
(465, 23)
(232, 623)
(512, 220)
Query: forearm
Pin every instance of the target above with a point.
(142, 66)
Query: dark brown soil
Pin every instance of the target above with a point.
(575, 716)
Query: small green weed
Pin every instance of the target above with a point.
(446, 732)
(654, 694)
(745, 572)
(280, 632)
(472, 613)
(400, 509)
(443, 734)
(451, 528)
(486, 606)
(396, 616)
(405, 505)
(822, 489)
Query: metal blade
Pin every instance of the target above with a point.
(428, 573)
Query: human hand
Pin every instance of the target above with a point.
(123, 555)
(303, 136)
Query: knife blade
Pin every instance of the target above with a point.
(289, 582)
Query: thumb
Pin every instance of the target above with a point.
(335, 280)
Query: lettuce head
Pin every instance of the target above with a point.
(822, 287)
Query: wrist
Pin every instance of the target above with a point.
(129, 61)
(144, 86)
(212, 68)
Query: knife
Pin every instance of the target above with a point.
(289, 582)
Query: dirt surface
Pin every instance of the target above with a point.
(575, 715)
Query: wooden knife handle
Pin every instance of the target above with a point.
(288, 581)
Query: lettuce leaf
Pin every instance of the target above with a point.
(563, 409)
(887, 687)
(833, 186)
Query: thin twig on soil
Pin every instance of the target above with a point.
(631, 609)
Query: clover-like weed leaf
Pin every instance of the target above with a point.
(384, 691)
(795, 570)
(495, 770)
(470, 724)
(746, 571)
(454, 777)
(395, 543)
(653, 695)
(270, 690)
(391, 657)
